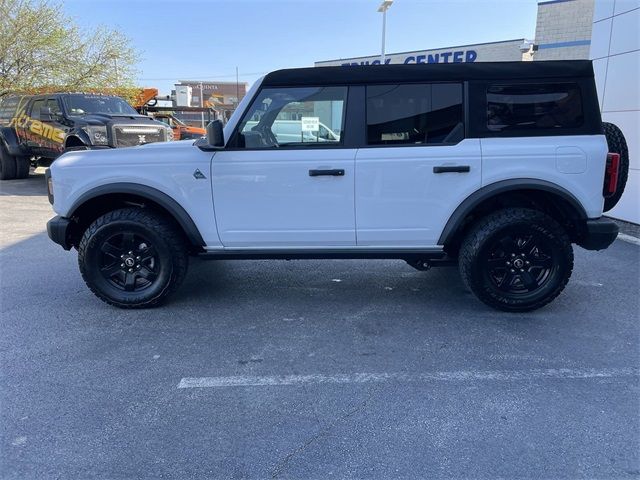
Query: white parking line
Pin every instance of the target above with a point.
(453, 376)
(628, 238)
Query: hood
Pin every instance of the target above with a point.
(150, 153)
(103, 118)
(178, 144)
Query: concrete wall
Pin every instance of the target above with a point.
(615, 50)
(503, 51)
(563, 29)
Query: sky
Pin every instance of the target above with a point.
(208, 39)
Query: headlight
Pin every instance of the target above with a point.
(169, 135)
(47, 175)
(97, 134)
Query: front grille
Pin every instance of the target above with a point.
(132, 135)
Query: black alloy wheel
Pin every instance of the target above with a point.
(519, 264)
(129, 262)
(516, 259)
(133, 257)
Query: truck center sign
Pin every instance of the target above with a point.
(508, 50)
(442, 57)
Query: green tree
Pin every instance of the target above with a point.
(42, 47)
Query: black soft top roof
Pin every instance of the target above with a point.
(364, 74)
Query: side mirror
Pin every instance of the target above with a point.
(46, 114)
(215, 135)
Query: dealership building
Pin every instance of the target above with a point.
(504, 51)
(615, 50)
(603, 30)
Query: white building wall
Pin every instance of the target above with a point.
(615, 50)
(563, 29)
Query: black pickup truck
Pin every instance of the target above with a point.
(36, 129)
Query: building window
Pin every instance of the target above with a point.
(414, 114)
(533, 106)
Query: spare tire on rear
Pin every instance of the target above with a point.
(617, 144)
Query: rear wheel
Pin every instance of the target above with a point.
(133, 258)
(617, 144)
(516, 259)
(7, 165)
(23, 166)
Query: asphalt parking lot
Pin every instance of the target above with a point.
(311, 369)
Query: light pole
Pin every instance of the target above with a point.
(384, 6)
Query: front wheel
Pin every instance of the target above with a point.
(516, 259)
(133, 257)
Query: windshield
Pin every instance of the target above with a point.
(88, 104)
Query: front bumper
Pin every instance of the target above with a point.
(58, 229)
(598, 234)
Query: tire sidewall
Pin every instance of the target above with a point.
(562, 265)
(7, 165)
(90, 264)
(617, 143)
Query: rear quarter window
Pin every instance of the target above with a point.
(532, 107)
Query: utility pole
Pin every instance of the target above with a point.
(237, 88)
(201, 105)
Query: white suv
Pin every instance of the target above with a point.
(496, 167)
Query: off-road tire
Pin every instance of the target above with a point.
(23, 166)
(476, 253)
(167, 239)
(617, 144)
(7, 165)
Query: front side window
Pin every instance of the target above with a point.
(52, 104)
(35, 109)
(533, 106)
(414, 114)
(294, 117)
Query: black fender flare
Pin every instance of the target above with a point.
(476, 198)
(9, 141)
(79, 135)
(176, 210)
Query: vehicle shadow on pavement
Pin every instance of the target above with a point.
(390, 286)
(34, 185)
(315, 289)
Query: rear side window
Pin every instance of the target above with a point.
(8, 108)
(414, 114)
(533, 107)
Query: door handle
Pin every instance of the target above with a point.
(452, 169)
(334, 172)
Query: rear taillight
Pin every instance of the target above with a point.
(611, 174)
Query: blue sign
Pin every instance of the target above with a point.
(459, 56)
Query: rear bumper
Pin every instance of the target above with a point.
(58, 230)
(598, 234)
